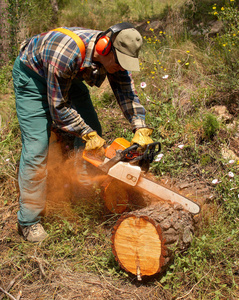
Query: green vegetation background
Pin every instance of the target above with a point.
(186, 70)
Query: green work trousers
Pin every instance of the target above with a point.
(35, 125)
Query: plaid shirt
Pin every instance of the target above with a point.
(56, 57)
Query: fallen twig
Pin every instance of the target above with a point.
(7, 294)
(193, 286)
(11, 284)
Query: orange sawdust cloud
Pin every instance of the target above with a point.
(65, 182)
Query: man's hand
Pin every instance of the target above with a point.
(93, 141)
(142, 137)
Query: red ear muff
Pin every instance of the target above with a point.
(103, 46)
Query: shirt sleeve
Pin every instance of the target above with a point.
(65, 117)
(123, 87)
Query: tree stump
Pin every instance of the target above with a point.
(143, 241)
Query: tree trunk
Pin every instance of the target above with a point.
(143, 241)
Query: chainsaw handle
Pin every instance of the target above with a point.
(150, 152)
(133, 147)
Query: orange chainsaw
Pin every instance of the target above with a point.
(126, 164)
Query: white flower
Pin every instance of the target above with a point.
(7, 160)
(215, 181)
(159, 157)
(181, 146)
(231, 161)
(143, 85)
(165, 77)
(231, 175)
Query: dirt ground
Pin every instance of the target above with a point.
(62, 282)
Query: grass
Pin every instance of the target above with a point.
(185, 78)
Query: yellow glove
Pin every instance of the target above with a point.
(142, 137)
(93, 141)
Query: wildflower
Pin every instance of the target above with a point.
(231, 161)
(165, 77)
(214, 7)
(143, 85)
(148, 22)
(179, 60)
(188, 51)
(7, 160)
(231, 175)
(180, 146)
(215, 181)
(159, 157)
(215, 13)
(224, 45)
(187, 64)
(222, 8)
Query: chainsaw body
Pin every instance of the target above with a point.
(126, 164)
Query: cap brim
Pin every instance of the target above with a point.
(127, 62)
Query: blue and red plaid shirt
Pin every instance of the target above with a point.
(56, 57)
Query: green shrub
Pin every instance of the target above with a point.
(210, 125)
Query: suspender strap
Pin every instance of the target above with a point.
(76, 38)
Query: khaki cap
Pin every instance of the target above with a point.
(127, 44)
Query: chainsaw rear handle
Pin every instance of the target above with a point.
(150, 152)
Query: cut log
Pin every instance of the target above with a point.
(143, 241)
(115, 195)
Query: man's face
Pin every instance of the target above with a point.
(111, 64)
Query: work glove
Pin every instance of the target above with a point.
(142, 137)
(93, 141)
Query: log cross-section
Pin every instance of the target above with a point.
(138, 245)
(142, 240)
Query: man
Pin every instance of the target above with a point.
(48, 75)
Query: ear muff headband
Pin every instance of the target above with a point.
(104, 43)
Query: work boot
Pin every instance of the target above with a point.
(32, 233)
